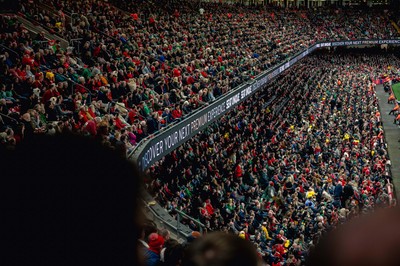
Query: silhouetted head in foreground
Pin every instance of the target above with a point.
(67, 200)
(221, 249)
(370, 240)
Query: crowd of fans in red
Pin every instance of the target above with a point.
(130, 73)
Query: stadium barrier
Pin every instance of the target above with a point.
(156, 146)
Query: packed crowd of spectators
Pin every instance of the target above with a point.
(280, 173)
(137, 66)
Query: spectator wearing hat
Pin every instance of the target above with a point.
(152, 254)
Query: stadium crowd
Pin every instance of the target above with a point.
(278, 171)
(305, 154)
(129, 74)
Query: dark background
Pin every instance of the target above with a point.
(7, 6)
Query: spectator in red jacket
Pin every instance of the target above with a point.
(177, 112)
(50, 92)
(238, 171)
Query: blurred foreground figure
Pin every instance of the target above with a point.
(221, 249)
(370, 240)
(67, 200)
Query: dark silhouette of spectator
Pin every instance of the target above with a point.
(367, 240)
(221, 249)
(68, 200)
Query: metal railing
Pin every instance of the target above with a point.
(76, 42)
(162, 221)
(9, 117)
(34, 26)
(200, 225)
(9, 49)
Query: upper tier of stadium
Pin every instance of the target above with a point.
(132, 68)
